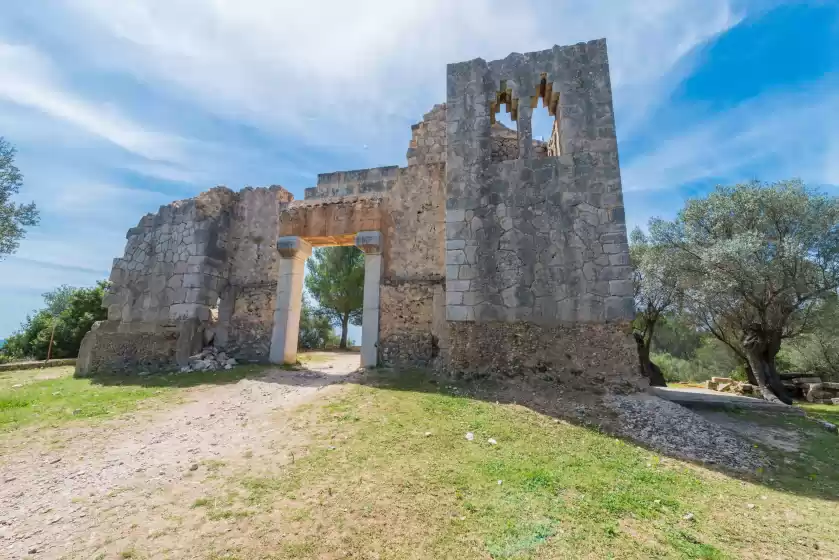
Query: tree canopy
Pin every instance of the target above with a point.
(80, 308)
(655, 294)
(753, 262)
(315, 328)
(14, 217)
(335, 280)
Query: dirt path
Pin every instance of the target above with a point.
(133, 479)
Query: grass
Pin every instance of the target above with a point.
(52, 396)
(375, 485)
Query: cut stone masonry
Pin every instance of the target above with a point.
(491, 253)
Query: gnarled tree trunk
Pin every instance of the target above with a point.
(647, 367)
(761, 348)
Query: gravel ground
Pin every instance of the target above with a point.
(133, 479)
(677, 431)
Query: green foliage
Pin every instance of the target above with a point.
(336, 280)
(14, 217)
(78, 309)
(711, 359)
(315, 328)
(817, 350)
(675, 334)
(654, 288)
(754, 254)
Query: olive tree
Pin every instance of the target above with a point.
(759, 258)
(655, 294)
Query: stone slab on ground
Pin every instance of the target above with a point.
(704, 398)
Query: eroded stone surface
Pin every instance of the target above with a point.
(496, 253)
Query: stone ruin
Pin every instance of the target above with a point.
(491, 253)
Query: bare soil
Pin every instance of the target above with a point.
(97, 491)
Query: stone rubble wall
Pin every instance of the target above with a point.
(246, 309)
(357, 182)
(216, 249)
(504, 144)
(575, 356)
(428, 138)
(411, 294)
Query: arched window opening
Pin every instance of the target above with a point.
(545, 124)
(504, 136)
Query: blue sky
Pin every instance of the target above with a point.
(119, 107)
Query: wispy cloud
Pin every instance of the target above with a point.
(339, 74)
(789, 133)
(27, 78)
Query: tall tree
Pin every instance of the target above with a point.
(336, 280)
(759, 258)
(655, 294)
(14, 217)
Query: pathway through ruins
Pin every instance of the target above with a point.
(99, 491)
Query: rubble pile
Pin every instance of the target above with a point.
(209, 359)
(801, 386)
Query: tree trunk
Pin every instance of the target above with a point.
(647, 367)
(750, 374)
(344, 328)
(761, 348)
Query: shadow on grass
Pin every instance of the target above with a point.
(300, 375)
(812, 471)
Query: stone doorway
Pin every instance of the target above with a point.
(293, 252)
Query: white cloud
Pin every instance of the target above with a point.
(338, 73)
(788, 134)
(27, 78)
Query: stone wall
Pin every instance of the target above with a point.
(576, 356)
(246, 309)
(216, 249)
(536, 246)
(116, 347)
(428, 138)
(536, 239)
(357, 182)
(413, 276)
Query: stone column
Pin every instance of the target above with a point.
(293, 254)
(371, 243)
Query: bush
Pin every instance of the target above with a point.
(80, 308)
(713, 359)
(315, 329)
(679, 370)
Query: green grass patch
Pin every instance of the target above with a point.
(52, 396)
(373, 481)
